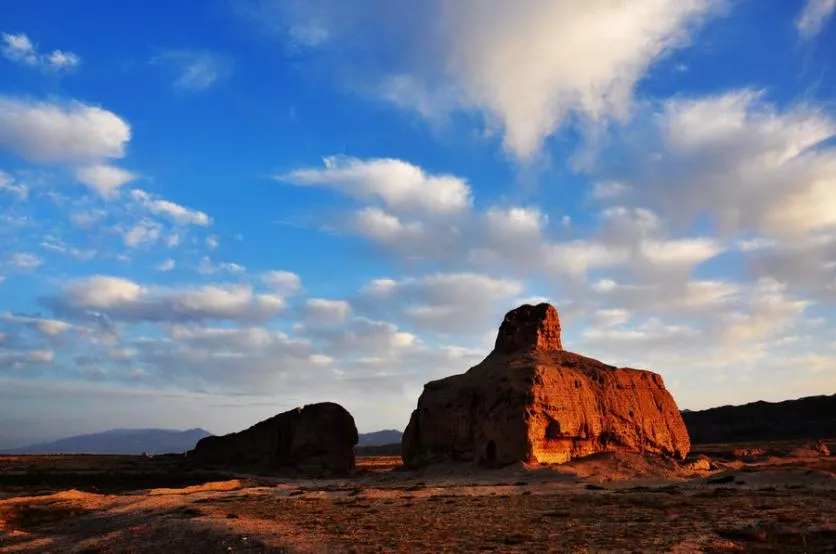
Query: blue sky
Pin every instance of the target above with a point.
(215, 211)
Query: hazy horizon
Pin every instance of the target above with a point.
(214, 212)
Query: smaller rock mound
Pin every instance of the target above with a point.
(318, 438)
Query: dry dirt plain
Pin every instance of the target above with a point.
(750, 502)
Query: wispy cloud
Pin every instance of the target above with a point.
(20, 49)
(195, 70)
(813, 17)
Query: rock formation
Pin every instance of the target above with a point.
(813, 417)
(316, 438)
(531, 401)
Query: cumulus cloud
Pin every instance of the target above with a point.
(400, 185)
(814, 16)
(321, 311)
(748, 165)
(506, 58)
(104, 179)
(196, 70)
(283, 282)
(500, 59)
(53, 132)
(19, 48)
(445, 302)
(144, 233)
(175, 212)
(124, 300)
(47, 327)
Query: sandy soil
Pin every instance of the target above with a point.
(605, 503)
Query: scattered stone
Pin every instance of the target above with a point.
(811, 449)
(531, 401)
(699, 463)
(318, 438)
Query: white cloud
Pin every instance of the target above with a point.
(321, 312)
(751, 167)
(103, 292)
(166, 265)
(770, 311)
(25, 261)
(516, 223)
(7, 184)
(232, 267)
(62, 60)
(754, 244)
(608, 190)
(144, 233)
(177, 213)
(367, 337)
(652, 332)
(18, 360)
(813, 17)
(670, 297)
(47, 327)
(384, 228)
(679, 253)
(86, 219)
(104, 179)
(512, 67)
(196, 70)
(238, 338)
(502, 60)
(283, 282)
(54, 244)
(211, 242)
(172, 240)
(51, 132)
(612, 317)
(444, 302)
(20, 49)
(400, 185)
(125, 300)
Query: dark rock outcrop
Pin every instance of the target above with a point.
(316, 438)
(533, 402)
(813, 417)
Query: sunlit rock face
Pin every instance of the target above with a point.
(531, 401)
(317, 438)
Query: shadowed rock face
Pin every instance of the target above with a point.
(531, 401)
(316, 438)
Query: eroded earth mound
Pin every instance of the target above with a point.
(315, 438)
(531, 401)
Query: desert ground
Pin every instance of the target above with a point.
(748, 498)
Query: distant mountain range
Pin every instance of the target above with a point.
(156, 441)
(380, 438)
(813, 417)
(120, 441)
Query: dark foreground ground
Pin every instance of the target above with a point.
(753, 500)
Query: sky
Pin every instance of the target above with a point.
(215, 211)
